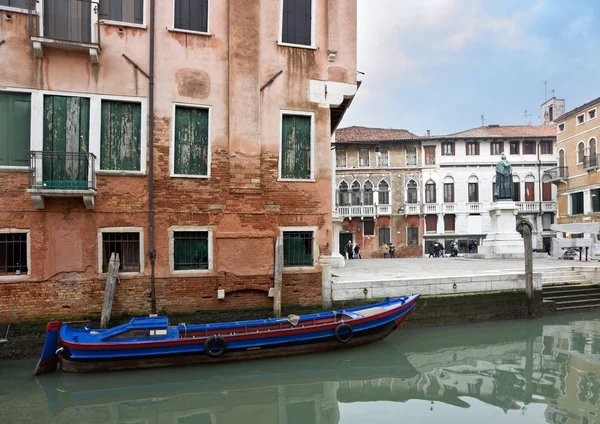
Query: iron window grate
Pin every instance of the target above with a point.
(13, 253)
(127, 245)
(190, 250)
(298, 248)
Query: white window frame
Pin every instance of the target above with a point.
(129, 24)
(418, 236)
(28, 237)
(313, 45)
(139, 230)
(180, 229)
(577, 123)
(406, 192)
(345, 158)
(595, 110)
(187, 31)
(13, 9)
(36, 130)
(94, 16)
(312, 145)
(374, 229)
(383, 153)
(379, 229)
(316, 253)
(406, 156)
(172, 173)
(564, 127)
(389, 191)
(368, 157)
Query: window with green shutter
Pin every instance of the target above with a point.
(190, 250)
(298, 248)
(384, 235)
(120, 142)
(191, 141)
(122, 11)
(295, 147)
(15, 124)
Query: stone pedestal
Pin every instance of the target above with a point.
(336, 260)
(503, 240)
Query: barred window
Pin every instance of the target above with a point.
(384, 235)
(127, 245)
(190, 250)
(13, 253)
(298, 248)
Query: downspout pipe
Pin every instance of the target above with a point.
(151, 249)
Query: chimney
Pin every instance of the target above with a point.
(428, 133)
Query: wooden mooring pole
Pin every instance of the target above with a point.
(278, 277)
(109, 290)
(529, 270)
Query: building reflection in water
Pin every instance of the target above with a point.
(556, 365)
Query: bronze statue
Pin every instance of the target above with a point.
(504, 180)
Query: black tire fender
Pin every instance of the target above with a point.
(213, 342)
(343, 333)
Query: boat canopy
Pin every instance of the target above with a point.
(577, 228)
(141, 323)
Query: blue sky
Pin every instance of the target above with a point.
(441, 64)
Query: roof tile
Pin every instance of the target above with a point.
(366, 134)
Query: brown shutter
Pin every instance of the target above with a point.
(477, 148)
(546, 192)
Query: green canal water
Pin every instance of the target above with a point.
(540, 371)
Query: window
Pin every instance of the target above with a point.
(580, 152)
(131, 11)
(368, 227)
(496, 148)
(190, 250)
(580, 119)
(473, 192)
(384, 235)
(429, 155)
(577, 203)
(545, 147)
(516, 191)
(355, 194)
(595, 194)
(384, 193)
(448, 148)
(411, 156)
(15, 122)
(368, 193)
(412, 235)
(411, 192)
(449, 220)
(340, 158)
(384, 157)
(529, 191)
(514, 147)
(431, 223)
(550, 113)
(298, 248)
(13, 253)
(529, 147)
(344, 196)
(191, 15)
(191, 152)
(363, 157)
(296, 147)
(19, 4)
(120, 136)
(547, 220)
(448, 192)
(127, 245)
(547, 191)
(430, 192)
(561, 127)
(473, 148)
(591, 114)
(296, 25)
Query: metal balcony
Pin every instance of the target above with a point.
(590, 162)
(558, 173)
(62, 174)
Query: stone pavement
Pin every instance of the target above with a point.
(388, 269)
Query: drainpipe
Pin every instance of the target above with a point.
(151, 250)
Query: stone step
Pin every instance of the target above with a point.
(576, 303)
(567, 279)
(559, 274)
(560, 297)
(569, 288)
(572, 308)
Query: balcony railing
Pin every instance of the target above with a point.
(432, 208)
(528, 207)
(62, 174)
(557, 173)
(364, 210)
(449, 207)
(474, 207)
(590, 162)
(548, 206)
(384, 210)
(412, 209)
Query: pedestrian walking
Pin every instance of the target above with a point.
(349, 249)
(357, 251)
(386, 250)
(392, 250)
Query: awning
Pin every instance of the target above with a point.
(588, 227)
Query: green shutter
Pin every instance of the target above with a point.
(295, 147)
(15, 124)
(191, 141)
(120, 136)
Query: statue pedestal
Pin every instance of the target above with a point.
(503, 240)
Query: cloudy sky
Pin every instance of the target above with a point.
(441, 64)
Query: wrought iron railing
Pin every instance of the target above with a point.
(590, 162)
(62, 171)
(65, 20)
(557, 173)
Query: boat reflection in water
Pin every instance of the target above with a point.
(554, 365)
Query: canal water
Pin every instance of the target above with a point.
(539, 371)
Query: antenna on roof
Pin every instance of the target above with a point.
(482, 120)
(527, 118)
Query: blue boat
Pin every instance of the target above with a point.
(148, 342)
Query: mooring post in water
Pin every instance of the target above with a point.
(326, 295)
(528, 270)
(278, 277)
(109, 290)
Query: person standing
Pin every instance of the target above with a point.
(349, 249)
(357, 251)
(392, 250)
(386, 250)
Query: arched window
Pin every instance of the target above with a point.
(343, 195)
(448, 190)
(530, 188)
(384, 193)
(592, 159)
(355, 194)
(368, 193)
(430, 192)
(473, 189)
(580, 152)
(411, 192)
